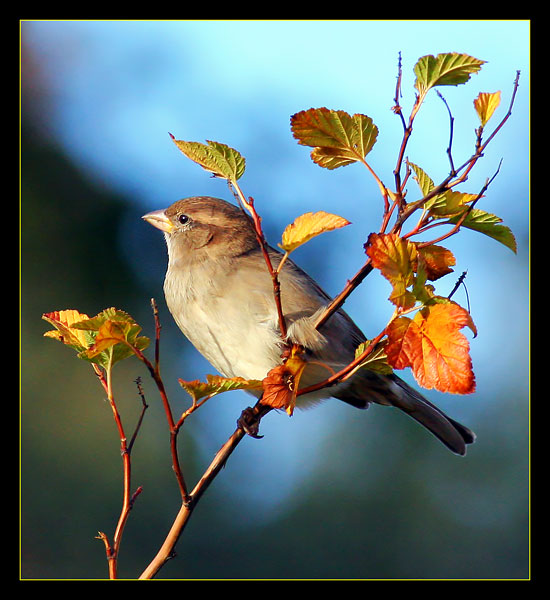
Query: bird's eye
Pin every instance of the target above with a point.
(183, 219)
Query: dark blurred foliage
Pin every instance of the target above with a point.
(384, 500)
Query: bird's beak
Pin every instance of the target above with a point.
(158, 219)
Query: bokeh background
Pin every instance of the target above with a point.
(331, 492)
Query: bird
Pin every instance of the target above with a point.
(220, 294)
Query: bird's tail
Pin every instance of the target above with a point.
(393, 391)
(453, 434)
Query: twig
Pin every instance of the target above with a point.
(166, 551)
(463, 217)
(154, 371)
(346, 372)
(339, 300)
(460, 281)
(157, 333)
(397, 106)
(249, 206)
(112, 551)
(451, 121)
(144, 407)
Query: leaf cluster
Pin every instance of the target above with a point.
(430, 342)
(105, 339)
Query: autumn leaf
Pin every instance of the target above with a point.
(337, 138)
(104, 339)
(281, 383)
(219, 159)
(485, 105)
(437, 260)
(395, 257)
(449, 68)
(433, 346)
(216, 384)
(308, 226)
(63, 321)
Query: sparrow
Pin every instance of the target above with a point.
(220, 294)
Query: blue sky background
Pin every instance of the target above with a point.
(115, 89)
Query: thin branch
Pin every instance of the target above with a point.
(339, 300)
(451, 125)
(346, 372)
(157, 333)
(166, 551)
(464, 215)
(144, 407)
(154, 371)
(459, 282)
(249, 206)
(507, 115)
(397, 106)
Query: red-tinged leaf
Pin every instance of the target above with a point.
(433, 346)
(437, 261)
(396, 258)
(337, 138)
(109, 334)
(281, 384)
(63, 321)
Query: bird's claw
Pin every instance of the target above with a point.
(249, 422)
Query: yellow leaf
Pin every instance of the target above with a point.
(216, 384)
(308, 226)
(63, 321)
(485, 105)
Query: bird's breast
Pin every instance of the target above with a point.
(233, 327)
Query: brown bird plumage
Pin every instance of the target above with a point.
(220, 294)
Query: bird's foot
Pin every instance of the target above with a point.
(249, 422)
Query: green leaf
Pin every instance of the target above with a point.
(217, 385)
(449, 204)
(450, 68)
(484, 222)
(114, 333)
(337, 138)
(376, 361)
(425, 183)
(219, 159)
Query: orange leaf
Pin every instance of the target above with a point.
(432, 345)
(437, 261)
(109, 334)
(396, 259)
(281, 383)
